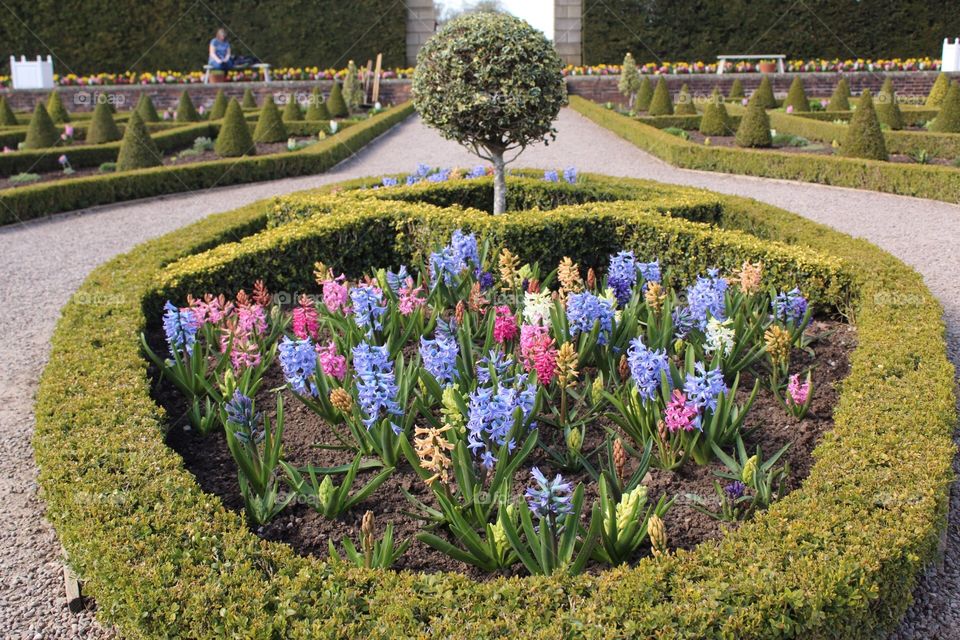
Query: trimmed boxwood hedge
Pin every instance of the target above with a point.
(836, 558)
(923, 181)
(39, 200)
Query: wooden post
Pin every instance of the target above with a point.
(366, 79)
(376, 79)
(72, 588)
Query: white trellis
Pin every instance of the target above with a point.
(951, 55)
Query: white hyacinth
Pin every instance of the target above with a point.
(719, 337)
(536, 308)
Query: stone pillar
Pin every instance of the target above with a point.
(568, 30)
(421, 23)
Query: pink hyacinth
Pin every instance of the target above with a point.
(504, 325)
(252, 319)
(538, 351)
(68, 130)
(244, 354)
(305, 320)
(799, 392)
(335, 295)
(333, 364)
(680, 414)
(410, 298)
(545, 362)
(789, 108)
(211, 309)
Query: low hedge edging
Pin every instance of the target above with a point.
(39, 200)
(836, 558)
(921, 181)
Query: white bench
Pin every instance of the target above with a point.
(722, 60)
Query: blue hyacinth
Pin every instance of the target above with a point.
(703, 387)
(440, 357)
(706, 298)
(477, 172)
(586, 309)
(550, 498)
(484, 278)
(412, 180)
(683, 321)
(440, 176)
(389, 182)
(398, 280)
(551, 176)
(649, 271)
(790, 306)
(422, 170)
(240, 413)
(298, 359)
(376, 384)
(570, 175)
(449, 262)
(622, 276)
(180, 327)
(646, 367)
(368, 307)
(491, 417)
(500, 362)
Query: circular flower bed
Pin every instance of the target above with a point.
(837, 556)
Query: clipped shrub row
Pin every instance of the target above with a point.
(836, 558)
(922, 181)
(35, 201)
(687, 123)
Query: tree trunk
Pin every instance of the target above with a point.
(499, 182)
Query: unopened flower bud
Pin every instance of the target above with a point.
(623, 368)
(459, 311)
(596, 389)
(658, 536)
(591, 279)
(325, 491)
(341, 400)
(749, 473)
(574, 440)
(367, 526)
(619, 460)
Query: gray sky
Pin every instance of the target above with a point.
(539, 13)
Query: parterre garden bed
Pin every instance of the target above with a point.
(837, 556)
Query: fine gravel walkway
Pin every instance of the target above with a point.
(42, 263)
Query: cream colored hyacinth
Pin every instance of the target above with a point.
(630, 506)
(720, 337)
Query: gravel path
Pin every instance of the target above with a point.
(42, 263)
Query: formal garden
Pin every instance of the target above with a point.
(494, 397)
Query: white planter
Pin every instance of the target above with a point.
(29, 74)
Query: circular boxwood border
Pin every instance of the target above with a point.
(836, 558)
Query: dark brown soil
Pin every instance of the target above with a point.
(308, 532)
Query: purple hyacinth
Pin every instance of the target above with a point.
(683, 322)
(484, 278)
(585, 309)
(440, 176)
(622, 276)
(790, 306)
(646, 367)
(735, 490)
(449, 262)
(180, 327)
(550, 498)
(440, 357)
(376, 384)
(706, 298)
(298, 359)
(240, 413)
(704, 387)
(368, 307)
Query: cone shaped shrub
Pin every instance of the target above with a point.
(939, 91)
(888, 111)
(58, 112)
(335, 103)
(352, 89)
(102, 127)
(736, 90)
(715, 120)
(840, 99)
(948, 120)
(234, 139)
(754, 129)
(270, 127)
(685, 106)
(219, 108)
(148, 113)
(644, 95)
(629, 79)
(249, 100)
(186, 112)
(797, 96)
(317, 110)
(765, 92)
(864, 137)
(41, 132)
(138, 150)
(7, 117)
(661, 104)
(291, 110)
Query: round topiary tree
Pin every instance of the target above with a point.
(494, 84)
(685, 106)
(7, 117)
(864, 138)
(661, 104)
(948, 120)
(186, 112)
(644, 94)
(797, 99)
(629, 79)
(41, 132)
(335, 102)
(102, 127)
(352, 89)
(138, 150)
(148, 112)
(765, 91)
(754, 129)
(715, 120)
(317, 109)
(736, 90)
(270, 127)
(234, 139)
(938, 91)
(219, 107)
(249, 100)
(888, 111)
(840, 98)
(291, 110)
(58, 112)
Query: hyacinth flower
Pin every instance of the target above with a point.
(799, 395)
(792, 309)
(440, 357)
(591, 316)
(306, 321)
(625, 520)
(298, 360)
(505, 326)
(706, 298)
(538, 352)
(622, 276)
(761, 481)
(369, 308)
(720, 418)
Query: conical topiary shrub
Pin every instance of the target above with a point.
(840, 99)
(948, 120)
(736, 90)
(7, 117)
(317, 110)
(291, 111)
(864, 138)
(249, 100)
(765, 92)
(352, 88)
(269, 125)
(58, 112)
(685, 106)
(186, 112)
(234, 139)
(148, 113)
(661, 104)
(219, 107)
(888, 111)
(137, 151)
(102, 127)
(335, 102)
(754, 129)
(41, 132)
(797, 99)
(715, 120)
(644, 95)
(629, 82)
(938, 92)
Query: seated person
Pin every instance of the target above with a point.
(220, 54)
